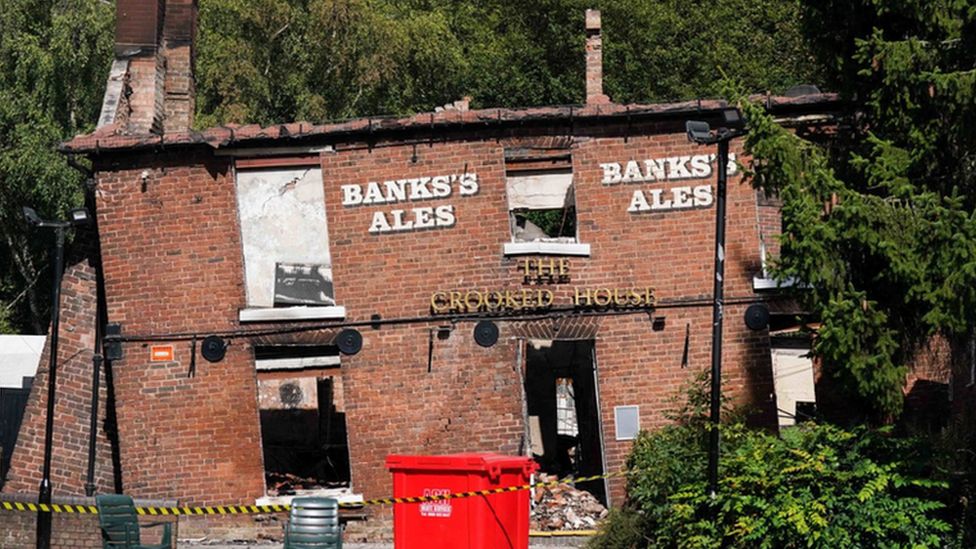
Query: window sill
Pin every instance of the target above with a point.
(760, 283)
(266, 314)
(344, 496)
(547, 248)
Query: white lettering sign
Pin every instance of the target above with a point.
(663, 169)
(411, 190)
(672, 168)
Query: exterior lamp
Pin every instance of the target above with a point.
(78, 217)
(700, 132)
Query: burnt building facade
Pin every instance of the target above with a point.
(584, 234)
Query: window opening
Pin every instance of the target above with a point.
(541, 201)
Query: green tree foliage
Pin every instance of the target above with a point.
(269, 61)
(54, 60)
(880, 225)
(816, 486)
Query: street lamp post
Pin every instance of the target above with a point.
(700, 132)
(79, 217)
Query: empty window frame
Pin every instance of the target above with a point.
(541, 203)
(542, 206)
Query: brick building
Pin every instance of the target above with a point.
(584, 233)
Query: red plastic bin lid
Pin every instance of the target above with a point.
(461, 462)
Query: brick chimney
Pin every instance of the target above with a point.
(179, 35)
(594, 60)
(154, 43)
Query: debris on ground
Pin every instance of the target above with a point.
(564, 507)
(284, 484)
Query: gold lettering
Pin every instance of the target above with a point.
(635, 298)
(497, 304)
(579, 298)
(524, 267)
(526, 300)
(456, 304)
(545, 298)
(563, 266)
(510, 302)
(606, 299)
(618, 300)
(478, 302)
(649, 298)
(437, 304)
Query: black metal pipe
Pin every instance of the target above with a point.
(93, 426)
(717, 314)
(44, 491)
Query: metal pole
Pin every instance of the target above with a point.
(93, 426)
(717, 313)
(44, 492)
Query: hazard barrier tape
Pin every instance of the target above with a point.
(250, 509)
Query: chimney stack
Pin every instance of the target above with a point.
(594, 60)
(179, 34)
(155, 38)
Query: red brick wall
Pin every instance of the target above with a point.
(73, 395)
(173, 263)
(470, 400)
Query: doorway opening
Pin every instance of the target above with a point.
(562, 402)
(303, 421)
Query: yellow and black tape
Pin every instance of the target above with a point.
(253, 509)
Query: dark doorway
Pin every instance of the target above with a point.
(564, 415)
(13, 402)
(304, 435)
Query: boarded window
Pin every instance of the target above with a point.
(285, 237)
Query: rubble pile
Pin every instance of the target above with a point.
(284, 484)
(563, 507)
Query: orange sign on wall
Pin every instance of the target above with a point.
(161, 353)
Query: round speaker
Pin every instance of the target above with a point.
(757, 317)
(486, 333)
(349, 341)
(213, 348)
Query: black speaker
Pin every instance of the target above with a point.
(112, 347)
(213, 348)
(757, 317)
(486, 333)
(349, 341)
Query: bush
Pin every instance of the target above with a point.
(814, 486)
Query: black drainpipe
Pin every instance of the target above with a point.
(100, 319)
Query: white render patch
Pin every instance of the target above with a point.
(547, 248)
(262, 314)
(282, 215)
(19, 357)
(548, 191)
(297, 363)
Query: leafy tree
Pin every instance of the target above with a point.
(270, 61)
(54, 59)
(879, 226)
